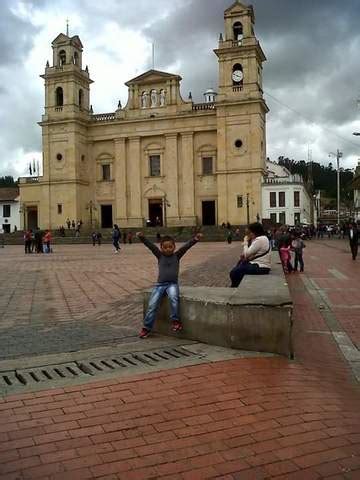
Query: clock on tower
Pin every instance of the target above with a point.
(241, 115)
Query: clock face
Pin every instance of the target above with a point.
(237, 76)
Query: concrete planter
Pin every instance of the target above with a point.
(257, 316)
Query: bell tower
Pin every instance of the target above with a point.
(64, 133)
(240, 56)
(67, 85)
(241, 118)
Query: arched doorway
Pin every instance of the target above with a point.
(156, 212)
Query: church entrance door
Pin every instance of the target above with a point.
(32, 218)
(156, 212)
(208, 212)
(106, 216)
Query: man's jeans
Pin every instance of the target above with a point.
(161, 289)
(244, 268)
(299, 259)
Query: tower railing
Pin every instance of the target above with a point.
(204, 106)
(103, 117)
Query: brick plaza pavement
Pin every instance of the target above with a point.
(240, 419)
(80, 296)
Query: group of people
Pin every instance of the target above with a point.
(287, 244)
(71, 225)
(254, 260)
(37, 241)
(116, 237)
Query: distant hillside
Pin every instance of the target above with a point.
(324, 177)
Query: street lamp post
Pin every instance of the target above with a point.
(248, 208)
(337, 155)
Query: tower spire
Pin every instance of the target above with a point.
(67, 27)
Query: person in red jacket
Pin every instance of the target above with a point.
(47, 241)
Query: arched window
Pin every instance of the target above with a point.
(237, 75)
(62, 58)
(81, 98)
(76, 58)
(59, 97)
(238, 32)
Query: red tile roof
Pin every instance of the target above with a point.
(8, 194)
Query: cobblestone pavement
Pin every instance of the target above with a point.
(234, 420)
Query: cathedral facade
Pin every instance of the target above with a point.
(158, 160)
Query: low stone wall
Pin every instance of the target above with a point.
(257, 316)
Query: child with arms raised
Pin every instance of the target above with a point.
(167, 283)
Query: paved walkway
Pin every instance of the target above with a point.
(239, 419)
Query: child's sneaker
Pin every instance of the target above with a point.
(177, 326)
(144, 333)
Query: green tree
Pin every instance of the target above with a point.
(324, 177)
(7, 181)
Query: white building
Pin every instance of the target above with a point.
(9, 209)
(285, 198)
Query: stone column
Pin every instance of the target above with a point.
(120, 181)
(171, 170)
(135, 218)
(188, 184)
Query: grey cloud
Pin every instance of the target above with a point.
(312, 49)
(16, 35)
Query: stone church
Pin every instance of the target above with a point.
(160, 159)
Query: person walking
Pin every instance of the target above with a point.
(115, 236)
(94, 238)
(38, 241)
(2, 240)
(47, 241)
(285, 256)
(298, 246)
(27, 241)
(354, 239)
(229, 237)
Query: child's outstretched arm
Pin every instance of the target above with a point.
(150, 245)
(182, 250)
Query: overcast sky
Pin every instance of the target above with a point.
(311, 78)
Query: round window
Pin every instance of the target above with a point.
(238, 143)
(59, 156)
